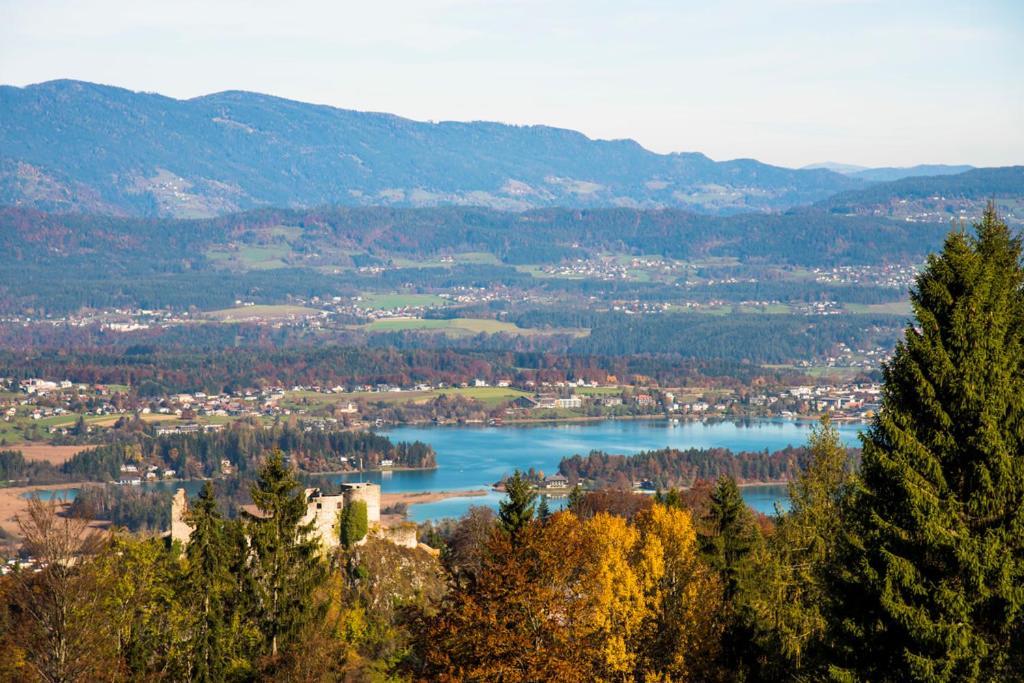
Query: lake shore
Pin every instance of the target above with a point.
(418, 497)
(653, 417)
(14, 502)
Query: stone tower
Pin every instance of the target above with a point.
(368, 493)
(180, 530)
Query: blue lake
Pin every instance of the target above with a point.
(472, 457)
(475, 457)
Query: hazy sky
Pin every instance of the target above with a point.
(786, 81)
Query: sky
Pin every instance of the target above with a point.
(789, 82)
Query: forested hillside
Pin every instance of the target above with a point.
(69, 145)
(959, 197)
(52, 259)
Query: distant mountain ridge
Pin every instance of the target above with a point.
(890, 173)
(76, 146)
(937, 199)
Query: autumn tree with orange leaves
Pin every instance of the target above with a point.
(575, 600)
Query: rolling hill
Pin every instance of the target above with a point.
(76, 146)
(937, 199)
(888, 173)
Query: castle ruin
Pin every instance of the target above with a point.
(324, 511)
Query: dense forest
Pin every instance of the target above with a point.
(152, 371)
(126, 507)
(754, 338)
(979, 183)
(672, 468)
(200, 455)
(154, 263)
(804, 237)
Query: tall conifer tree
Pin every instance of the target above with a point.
(729, 541)
(286, 565)
(929, 582)
(519, 506)
(210, 583)
(789, 576)
(730, 534)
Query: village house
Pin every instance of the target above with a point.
(347, 408)
(555, 481)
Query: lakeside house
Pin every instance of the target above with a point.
(555, 482)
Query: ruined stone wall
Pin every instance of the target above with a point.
(403, 535)
(324, 512)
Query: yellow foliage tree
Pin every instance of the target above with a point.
(614, 585)
(602, 599)
(680, 637)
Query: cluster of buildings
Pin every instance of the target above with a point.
(240, 404)
(135, 474)
(39, 399)
(113, 319)
(855, 401)
(606, 268)
(896, 276)
(187, 413)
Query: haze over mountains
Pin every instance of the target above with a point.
(888, 173)
(75, 146)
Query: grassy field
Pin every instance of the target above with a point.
(262, 312)
(490, 396)
(775, 309)
(311, 400)
(9, 433)
(17, 429)
(55, 455)
(390, 301)
(251, 257)
(820, 371)
(460, 327)
(598, 391)
(456, 327)
(469, 257)
(893, 308)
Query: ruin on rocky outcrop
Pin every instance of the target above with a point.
(323, 510)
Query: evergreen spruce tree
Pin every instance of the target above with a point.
(210, 584)
(672, 499)
(789, 571)
(286, 562)
(576, 497)
(517, 510)
(80, 428)
(729, 534)
(543, 509)
(929, 581)
(729, 541)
